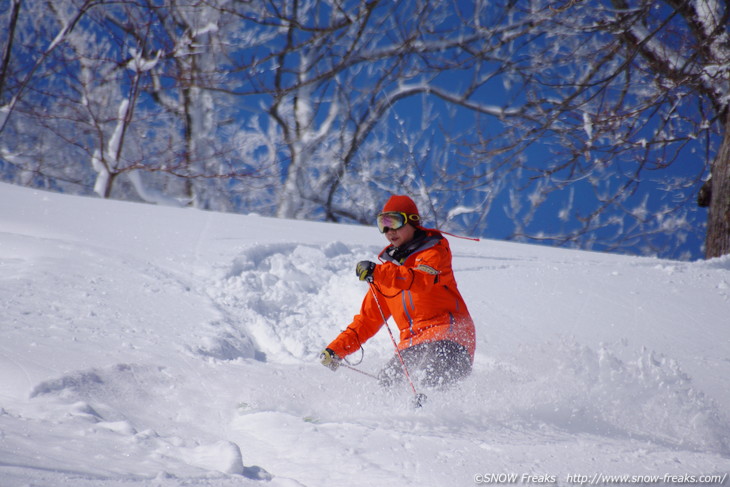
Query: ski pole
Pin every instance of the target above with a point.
(359, 371)
(418, 398)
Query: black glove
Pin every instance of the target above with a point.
(364, 270)
(329, 359)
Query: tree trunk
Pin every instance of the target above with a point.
(717, 242)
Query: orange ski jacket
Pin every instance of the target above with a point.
(421, 296)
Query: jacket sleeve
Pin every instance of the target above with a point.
(427, 270)
(363, 327)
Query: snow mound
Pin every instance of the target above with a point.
(222, 456)
(581, 390)
(117, 407)
(114, 391)
(226, 342)
(293, 298)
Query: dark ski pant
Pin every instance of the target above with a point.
(433, 365)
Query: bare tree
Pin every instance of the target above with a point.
(33, 153)
(336, 78)
(617, 93)
(119, 89)
(554, 118)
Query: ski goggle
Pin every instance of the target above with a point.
(393, 220)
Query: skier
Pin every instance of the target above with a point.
(414, 283)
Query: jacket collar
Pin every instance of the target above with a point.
(421, 241)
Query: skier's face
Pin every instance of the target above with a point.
(401, 236)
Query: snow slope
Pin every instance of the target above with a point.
(152, 346)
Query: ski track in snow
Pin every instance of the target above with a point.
(133, 356)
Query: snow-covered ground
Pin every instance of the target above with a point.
(152, 346)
